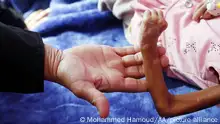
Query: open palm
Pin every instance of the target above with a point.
(87, 70)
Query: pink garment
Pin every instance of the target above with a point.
(192, 48)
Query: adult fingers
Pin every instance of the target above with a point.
(135, 71)
(161, 50)
(32, 15)
(129, 50)
(43, 14)
(131, 60)
(137, 59)
(36, 18)
(131, 85)
(34, 24)
(164, 61)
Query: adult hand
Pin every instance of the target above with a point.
(36, 18)
(89, 70)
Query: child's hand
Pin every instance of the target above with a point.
(153, 25)
(201, 12)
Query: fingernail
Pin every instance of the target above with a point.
(145, 15)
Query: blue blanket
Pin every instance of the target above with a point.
(72, 23)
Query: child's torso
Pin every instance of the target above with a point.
(190, 45)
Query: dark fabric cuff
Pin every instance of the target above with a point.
(22, 60)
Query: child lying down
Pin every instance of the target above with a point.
(193, 47)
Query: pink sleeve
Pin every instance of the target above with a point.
(120, 8)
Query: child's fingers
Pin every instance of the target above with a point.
(144, 26)
(198, 7)
(199, 12)
(154, 15)
(207, 15)
(146, 16)
(160, 14)
(162, 20)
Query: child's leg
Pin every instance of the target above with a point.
(212, 62)
(213, 72)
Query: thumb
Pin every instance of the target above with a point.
(87, 91)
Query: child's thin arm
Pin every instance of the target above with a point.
(154, 76)
(168, 105)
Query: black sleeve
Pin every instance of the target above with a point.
(9, 16)
(21, 60)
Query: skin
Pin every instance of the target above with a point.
(168, 105)
(89, 70)
(201, 12)
(36, 18)
(39, 16)
(126, 66)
